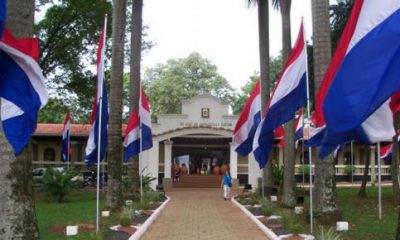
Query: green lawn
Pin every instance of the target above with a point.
(362, 214)
(80, 207)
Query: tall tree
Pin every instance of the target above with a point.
(183, 78)
(325, 183)
(289, 155)
(17, 208)
(135, 79)
(263, 41)
(114, 193)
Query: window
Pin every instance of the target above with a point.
(347, 158)
(49, 155)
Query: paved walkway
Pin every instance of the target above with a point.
(204, 215)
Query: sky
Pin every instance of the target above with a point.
(224, 31)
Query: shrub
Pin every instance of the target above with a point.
(305, 169)
(57, 184)
(254, 199)
(349, 169)
(277, 174)
(296, 228)
(330, 234)
(125, 221)
(266, 208)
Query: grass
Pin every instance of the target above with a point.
(80, 207)
(361, 213)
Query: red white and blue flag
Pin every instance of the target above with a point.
(289, 95)
(386, 152)
(138, 130)
(22, 89)
(66, 149)
(298, 134)
(364, 74)
(247, 123)
(3, 15)
(99, 117)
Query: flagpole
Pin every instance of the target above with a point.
(309, 114)
(352, 162)
(379, 180)
(140, 145)
(100, 101)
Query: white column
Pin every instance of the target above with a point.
(254, 171)
(167, 158)
(233, 161)
(280, 156)
(372, 164)
(152, 162)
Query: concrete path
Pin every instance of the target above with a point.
(202, 214)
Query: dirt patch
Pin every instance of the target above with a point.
(130, 230)
(58, 229)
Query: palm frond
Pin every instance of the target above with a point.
(275, 4)
(250, 3)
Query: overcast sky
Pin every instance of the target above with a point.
(224, 31)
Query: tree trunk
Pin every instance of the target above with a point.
(263, 37)
(134, 87)
(395, 162)
(289, 182)
(114, 157)
(325, 184)
(17, 208)
(363, 189)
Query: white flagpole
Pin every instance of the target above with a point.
(379, 180)
(68, 142)
(140, 144)
(352, 162)
(309, 114)
(100, 101)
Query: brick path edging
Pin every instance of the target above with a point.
(268, 232)
(139, 233)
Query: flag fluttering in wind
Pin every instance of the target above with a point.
(365, 75)
(247, 123)
(22, 89)
(299, 130)
(99, 117)
(138, 130)
(66, 149)
(386, 152)
(3, 15)
(289, 95)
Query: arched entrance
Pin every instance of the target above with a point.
(200, 149)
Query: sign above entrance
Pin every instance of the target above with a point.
(205, 113)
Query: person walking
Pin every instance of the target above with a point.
(227, 184)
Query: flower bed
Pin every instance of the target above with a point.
(275, 227)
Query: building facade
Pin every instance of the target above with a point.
(200, 137)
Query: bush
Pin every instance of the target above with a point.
(266, 208)
(277, 174)
(349, 169)
(57, 184)
(305, 169)
(296, 228)
(125, 221)
(330, 234)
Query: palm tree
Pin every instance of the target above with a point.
(289, 182)
(263, 40)
(325, 184)
(134, 87)
(114, 193)
(17, 208)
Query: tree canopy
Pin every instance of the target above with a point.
(169, 83)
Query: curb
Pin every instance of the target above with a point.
(268, 232)
(143, 228)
